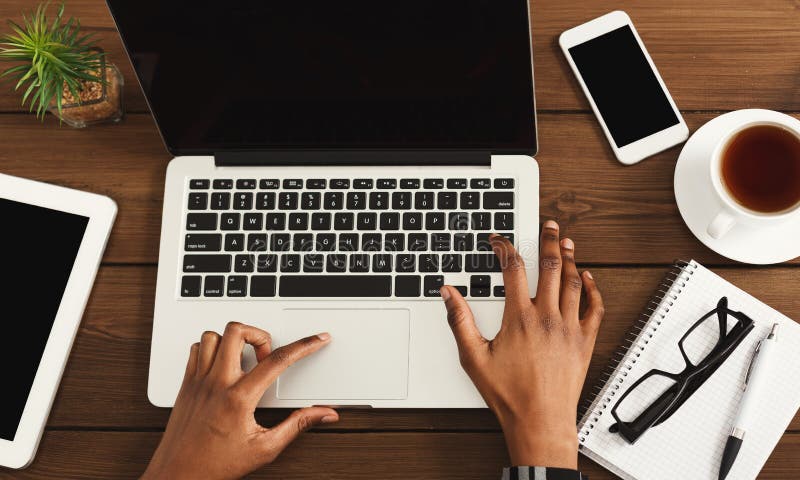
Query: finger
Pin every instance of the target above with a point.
(191, 364)
(462, 322)
(547, 292)
(595, 309)
(267, 370)
(571, 283)
(230, 350)
(209, 343)
(513, 266)
(278, 438)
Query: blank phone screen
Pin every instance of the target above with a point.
(624, 87)
(39, 247)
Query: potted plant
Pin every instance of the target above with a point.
(59, 70)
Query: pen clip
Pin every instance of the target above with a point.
(750, 367)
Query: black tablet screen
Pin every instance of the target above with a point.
(39, 247)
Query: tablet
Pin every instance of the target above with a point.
(52, 242)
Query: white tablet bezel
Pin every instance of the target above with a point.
(647, 146)
(101, 212)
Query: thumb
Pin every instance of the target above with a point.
(461, 321)
(298, 422)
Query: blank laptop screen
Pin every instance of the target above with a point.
(256, 74)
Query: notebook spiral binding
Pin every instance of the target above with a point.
(636, 339)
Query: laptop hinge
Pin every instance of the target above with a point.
(352, 157)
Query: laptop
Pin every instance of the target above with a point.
(335, 164)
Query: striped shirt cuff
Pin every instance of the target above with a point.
(541, 473)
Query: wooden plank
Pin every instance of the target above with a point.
(713, 55)
(106, 377)
(347, 456)
(616, 214)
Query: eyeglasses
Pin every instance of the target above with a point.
(659, 394)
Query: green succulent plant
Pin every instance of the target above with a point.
(53, 54)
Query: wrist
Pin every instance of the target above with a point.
(545, 446)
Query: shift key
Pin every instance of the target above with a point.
(207, 263)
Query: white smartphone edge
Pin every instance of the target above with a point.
(645, 147)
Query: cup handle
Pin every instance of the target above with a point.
(721, 224)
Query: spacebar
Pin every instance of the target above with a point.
(335, 286)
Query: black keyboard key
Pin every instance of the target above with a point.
(206, 264)
(394, 242)
(457, 183)
(458, 221)
(367, 221)
(356, 201)
(461, 289)
(504, 221)
(386, 183)
(417, 242)
(381, 263)
(269, 184)
(498, 200)
(214, 286)
(362, 183)
(287, 200)
(244, 263)
(406, 286)
(336, 264)
(198, 201)
(499, 291)
(481, 262)
(290, 263)
(280, 242)
(265, 201)
(326, 242)
(253, 221)
(310, 201)
(401, 200)
(433, 183)
(379, 200)
(262, 286)
(203, 242)
(503, 183)
(470, 200)
(340, 184)
(223, 184)
(316, 184)
(303, 242)
(463, 242)
(267, 263)
(190, 286)
(435, 221)
(313, 263)
(480, 285)
(292, 184)
(257, 242)
(220, 201)
(409, 183)
(483, 241)
(412, 221)
(447, 201)
(230, 221)
(348, 242)
(234, 242)
(405, 263)
(336, 286)
(429, 263)
(320, 221)
(359, 263)
(371, 242)
(480, 291)
(298, 221)
(199, 184)
(423, 200)
(477, 183)
(334, 200)
(481, 221)
(276, 221)
(343, 221)
(440, 242)
(390, 221)
(201, 221)
(237, 286)
(246, 184)
(451, 263)
(432, 284)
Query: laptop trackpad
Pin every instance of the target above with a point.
(366, 359)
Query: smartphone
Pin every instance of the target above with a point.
(624, 88)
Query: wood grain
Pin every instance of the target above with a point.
(330, 456)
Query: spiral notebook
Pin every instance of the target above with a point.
(690, 443)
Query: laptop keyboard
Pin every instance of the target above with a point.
(354, 238)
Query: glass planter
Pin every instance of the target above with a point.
(105, 106)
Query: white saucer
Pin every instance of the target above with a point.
(699, 204)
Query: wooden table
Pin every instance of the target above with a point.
(715, 56)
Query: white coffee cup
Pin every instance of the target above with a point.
(732, 212)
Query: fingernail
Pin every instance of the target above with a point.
(330, 419)
(445, 293)
(551, 225)
(492, 235)
(324, 336)
(568, 244)
(589, 274)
